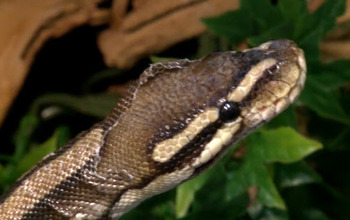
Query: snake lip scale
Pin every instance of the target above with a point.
(177, 120)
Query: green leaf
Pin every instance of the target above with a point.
(248, 21)
(280, 31)
(293, 9)
(99, 77)
(295, 174)
(209, 43)
(15, 169)
(281, 145)
(98, 105)
(37, 153)
(27, 126)
(312, 28)
(289, 19)
(257, 211)
(253, 173)
(339, 141)
(332, 75)
(323, 101)
(155, 59)
(230, 25)
(324, 17)
(284, 26)
(212, 200)
(8, 173)
(312, 214)
(267, 191)
(157, 207)
(286, 119)
(263, 148)
(185, 193)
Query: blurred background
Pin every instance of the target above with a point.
(64, 64)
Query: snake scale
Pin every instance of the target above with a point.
(177, 120)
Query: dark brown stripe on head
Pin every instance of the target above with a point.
(190, 151)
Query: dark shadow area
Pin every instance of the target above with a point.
(59, 66)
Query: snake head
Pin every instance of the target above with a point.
(183, 115)
(232, 94)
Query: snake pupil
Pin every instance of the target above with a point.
(229, 111)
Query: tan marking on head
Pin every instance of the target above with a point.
(133, 197)
(293, 76)
(252, 119)
(276, 95)
(250, 79)
(268, 112)
(294, 93)
(302, 63)
(222, 137)
(36, 186)
(265, 46)
(280, 88)
(282, 104)
(166, 149)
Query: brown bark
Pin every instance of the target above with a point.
(25, 25)
(337, 45)
(150, 27)
(156, 25)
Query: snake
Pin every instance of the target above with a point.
(176, 121)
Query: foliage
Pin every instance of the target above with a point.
(288, 167)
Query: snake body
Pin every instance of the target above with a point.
(177, 120)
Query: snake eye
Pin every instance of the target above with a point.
(229, 111)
